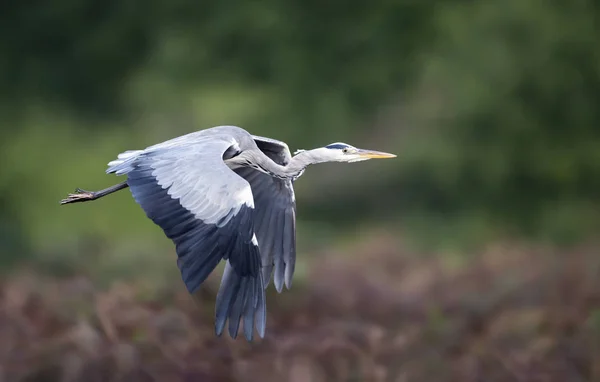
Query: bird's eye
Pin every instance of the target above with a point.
(346, 150)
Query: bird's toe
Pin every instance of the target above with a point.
(79, 196)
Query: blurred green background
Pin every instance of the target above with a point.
(491, 106)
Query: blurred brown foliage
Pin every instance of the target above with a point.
(513, 314)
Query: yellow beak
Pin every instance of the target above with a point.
(374, 154)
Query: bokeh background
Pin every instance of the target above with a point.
(473, 256)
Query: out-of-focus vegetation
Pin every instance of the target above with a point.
(492, 108)
(406, 320)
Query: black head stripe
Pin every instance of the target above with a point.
(336, 146)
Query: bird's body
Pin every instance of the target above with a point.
(222, 193)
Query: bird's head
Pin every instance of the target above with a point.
(343, 152)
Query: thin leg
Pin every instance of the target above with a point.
(85, 196)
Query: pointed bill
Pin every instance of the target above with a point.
(372, 154)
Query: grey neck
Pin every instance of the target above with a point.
(261, 162)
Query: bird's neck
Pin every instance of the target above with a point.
(305, 158)
(294, 169)
(301, 160)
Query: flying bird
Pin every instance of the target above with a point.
(224, 194)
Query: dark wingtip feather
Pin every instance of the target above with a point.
(267, 270)
(279, 275)
(261, 309)
(289, 246)
(288, 283)
(240, 297)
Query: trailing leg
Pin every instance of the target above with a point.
(86, 196)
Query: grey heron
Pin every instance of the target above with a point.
(224, 194)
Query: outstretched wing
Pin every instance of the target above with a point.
(208, 212)
(275, 215)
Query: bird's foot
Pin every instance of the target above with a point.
(79, 196)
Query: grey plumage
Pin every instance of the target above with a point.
(224, 194)
(208, 213)
(275, 214)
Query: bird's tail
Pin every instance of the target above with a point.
(241, 296)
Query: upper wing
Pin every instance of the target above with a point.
(207, 211)
(275, 215)
(278, 151)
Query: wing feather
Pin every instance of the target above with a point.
(275, 215)
(207, 210)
